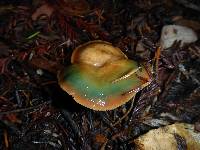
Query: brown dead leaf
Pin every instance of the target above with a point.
(195, 25)
(40, 62)
(12, 118)
(42, 10)
(100, 138)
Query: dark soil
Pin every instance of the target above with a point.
(36, 41)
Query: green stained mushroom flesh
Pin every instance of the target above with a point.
(106, 87)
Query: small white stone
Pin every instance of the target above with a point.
(172, 33)
(39, 72)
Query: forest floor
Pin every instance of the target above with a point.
(37, 37)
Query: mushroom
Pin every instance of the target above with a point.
(101, 76)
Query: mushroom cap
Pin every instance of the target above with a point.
(104, 82)
(96, 53)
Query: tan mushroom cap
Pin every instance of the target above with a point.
(96, 53)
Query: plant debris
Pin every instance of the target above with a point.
(37, 39)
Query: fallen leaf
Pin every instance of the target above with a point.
(42, 10)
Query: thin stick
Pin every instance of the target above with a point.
(126, 114)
